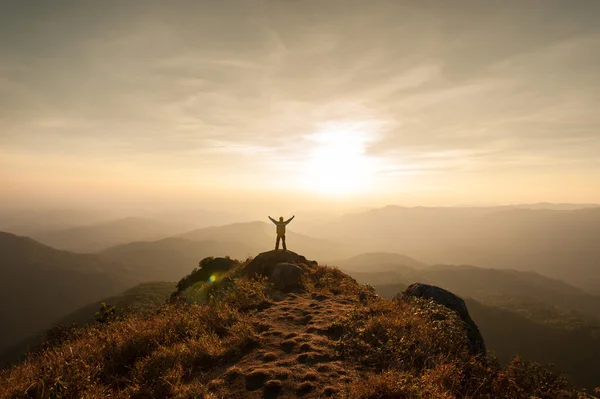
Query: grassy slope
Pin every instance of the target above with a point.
(142, 298)
(240, 338)
(535, 331)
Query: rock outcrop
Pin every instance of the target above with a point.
(455, 303)
(264, 262)
(286, 277)
(284, 269)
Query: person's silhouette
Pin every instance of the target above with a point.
(281, 230)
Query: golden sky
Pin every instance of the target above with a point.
(301, 102)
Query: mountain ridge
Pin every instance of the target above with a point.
(320, 334)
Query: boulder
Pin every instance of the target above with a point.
(264, 262)
(455, 303)
(286, 277)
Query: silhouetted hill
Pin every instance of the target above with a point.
(142, 298)
(555, 206)
(39, 284)
(377, 262)
(259, 236)
(557, 243)
(93, 238)
(481, 283)
(276, 326)
(574, 350)
(170, 258)
(26, 221)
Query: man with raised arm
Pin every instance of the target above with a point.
(281, 230)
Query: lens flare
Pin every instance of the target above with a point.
(212, 278)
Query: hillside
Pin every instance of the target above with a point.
(378, 262)
(170, 258)
(142, 298)
(266, 329)
(259, 235)
(479, 283)
(513, 326)
(97, 237)
(39, 284)
(556, 243)
(25, 221)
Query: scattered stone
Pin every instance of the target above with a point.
(291, 335)
(304, 320)
(323, 368)
(232, 374)
(305, 387)
(306, 347)
(288, 345)
(310, 376)
(256, 379)
(282, 374)
(273, 385)
(269, 357)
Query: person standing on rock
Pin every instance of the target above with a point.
(281, 230)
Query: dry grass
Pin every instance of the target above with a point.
(143, 356)
(418, 349)
(403, 349)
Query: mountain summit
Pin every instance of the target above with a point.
(276, 326)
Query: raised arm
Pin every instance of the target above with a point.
(290, 219)
(272, 220)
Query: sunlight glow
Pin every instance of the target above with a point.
(337, 165)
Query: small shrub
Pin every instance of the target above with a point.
(106, 314)
(59, 334)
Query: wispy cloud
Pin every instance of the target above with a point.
(458, 87)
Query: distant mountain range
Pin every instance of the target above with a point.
(557, 243)
(485, 285)
(518, 313)
(141, 298)
(260, 236)
(533, 330)
(39, 284)
(97, 237)
(171, 258)
(48, 283)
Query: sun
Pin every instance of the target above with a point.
(337, 164)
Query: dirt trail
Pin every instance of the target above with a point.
(295, 355)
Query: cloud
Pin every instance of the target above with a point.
(455, 87)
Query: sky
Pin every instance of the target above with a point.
(292, 104)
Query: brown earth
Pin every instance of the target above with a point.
(295, 354)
